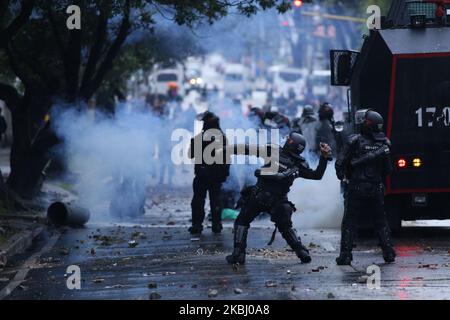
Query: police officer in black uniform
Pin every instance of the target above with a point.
(324, 129)
(270, 195)
(364, 164)
(209, 177)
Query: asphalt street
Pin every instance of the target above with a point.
(156, 258)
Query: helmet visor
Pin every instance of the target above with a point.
(360, 116)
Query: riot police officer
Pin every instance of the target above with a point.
(209, 177)
(324, 128)
(270, 195)
(364, 164)
(307, 118)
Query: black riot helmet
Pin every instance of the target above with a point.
(210, 120)
(370, 121)
(295, 143)
(308, 111)
(326, 111)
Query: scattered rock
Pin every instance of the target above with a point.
(330, 296)
(171, 223)
(98, 280)
(92, 251)
(152, 285)
(271, 284)
(132, 244)
(116, 286)
(318, 269)
(288, 271)
(154, 296)
(363, 279)
(105, 241)
(212, 293)
(429, 266)
(313, 245)
(64, 251)
(223, 282)
(50, 260)
(238, 291)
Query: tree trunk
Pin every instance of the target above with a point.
(29, 150)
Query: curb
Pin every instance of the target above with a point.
(18, 243)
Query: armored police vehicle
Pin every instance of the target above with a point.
(403, 72)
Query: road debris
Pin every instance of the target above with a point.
(132, 244)
(154, 296)
(318, 269)
(212, 293)
(238, 291)
(363, 279)
(428, 266)
(64, 251)
(117, 286)
(271, 284)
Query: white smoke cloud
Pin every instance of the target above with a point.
(103, 152)
(319, 203)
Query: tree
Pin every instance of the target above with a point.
(55, 64)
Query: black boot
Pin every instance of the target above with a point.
(290, 235)
(217, 227)
(196, 229)
(345, 257)
(216, 221)
(240, 244)
(386, 243)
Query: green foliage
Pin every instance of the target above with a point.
(73, 64)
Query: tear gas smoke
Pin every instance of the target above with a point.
(319, 203)
(120, 156)
(113, 157)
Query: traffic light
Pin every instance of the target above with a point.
(298, 3)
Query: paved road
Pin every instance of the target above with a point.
(167, 262)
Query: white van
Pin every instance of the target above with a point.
(284, 80)
(159, 80)
(236, 80)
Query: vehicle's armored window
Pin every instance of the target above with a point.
(421, 8)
